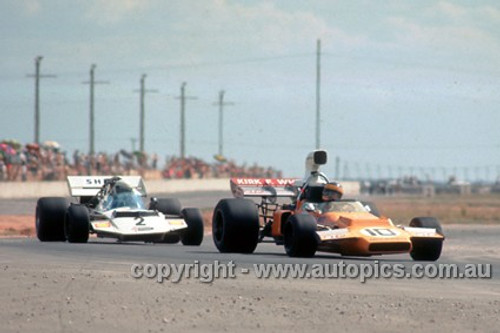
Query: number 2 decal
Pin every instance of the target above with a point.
(141, 221)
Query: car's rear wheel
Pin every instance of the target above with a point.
(49, 220)
(300, 236)
(167, 206)
(235, 226)
(76, 224)
(426, 249)
(193, 235)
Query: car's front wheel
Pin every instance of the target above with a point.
(193, 235)
(426, 249)
(300, 236)
(77, 224)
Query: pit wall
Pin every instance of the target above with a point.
(21, 190)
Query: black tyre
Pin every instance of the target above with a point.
(300, 236)
(235, 226)
(193, 235)
(77, 224)
(427, 222)
(49, 221)
(426, 249)
(167, 206)
(371, 207)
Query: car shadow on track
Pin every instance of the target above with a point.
(316, 257)
(131, 243)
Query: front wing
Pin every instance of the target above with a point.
(145, 228)
(372, 240)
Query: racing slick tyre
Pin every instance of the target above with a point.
(193, 235)
(167, 206)
(301, 239)
(371, 207)
(426, 249)
(49, 221)
(77, 224)
(235, 226)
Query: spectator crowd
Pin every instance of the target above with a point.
(47, 161)
(196, 168)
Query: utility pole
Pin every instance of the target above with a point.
(183, 98)
(91, 83)
(133, 141)
(221, 105)
(345, 175)
(318, 86)
(143, 92)
(337, 167)
(37, 77)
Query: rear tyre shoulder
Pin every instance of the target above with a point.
(49, 219)
(427, 222)
(235, 226)
(167, 206)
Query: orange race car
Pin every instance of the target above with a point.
(316, 219)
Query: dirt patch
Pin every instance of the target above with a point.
(24, 225)
(17, 225)
(448, 209)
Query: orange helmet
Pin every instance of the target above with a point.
(332, 191)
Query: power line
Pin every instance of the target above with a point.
(186, 65)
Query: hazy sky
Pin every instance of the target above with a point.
(405, 85)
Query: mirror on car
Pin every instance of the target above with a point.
(309, 207)
(153, 203)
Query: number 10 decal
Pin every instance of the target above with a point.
(379, 232)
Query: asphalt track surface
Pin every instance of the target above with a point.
(62, 287)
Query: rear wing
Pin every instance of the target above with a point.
(263, 187)
(88, 186)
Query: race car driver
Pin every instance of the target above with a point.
(332, 191)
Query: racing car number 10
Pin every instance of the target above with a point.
(379, 232)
